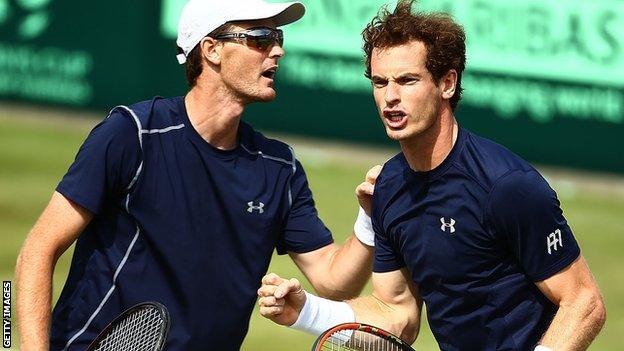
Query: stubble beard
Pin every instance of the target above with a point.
(420, 129)
(250, 93)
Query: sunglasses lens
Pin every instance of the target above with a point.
(262, 38)
(262, 43)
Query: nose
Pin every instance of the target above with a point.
(277, 51)
(392, 95)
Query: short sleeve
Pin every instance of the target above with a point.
(105, 164)
(526, 216)
(387, 257)
(303, 231)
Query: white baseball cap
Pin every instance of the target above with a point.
(200, 17)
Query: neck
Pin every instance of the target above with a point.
(428, 150)
(214, 114)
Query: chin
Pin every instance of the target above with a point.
(266, 95)
(393, 136)
(265, 98)
(270, 96)
(261, 97)
(396, 135)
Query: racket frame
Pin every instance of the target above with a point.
(162, 310)
(361, 327)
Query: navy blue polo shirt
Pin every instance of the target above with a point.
(475, 234)
(179, 222)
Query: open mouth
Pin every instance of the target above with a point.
(394, 116)
(270, 73)
(395, 119)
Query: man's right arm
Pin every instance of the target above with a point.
(56, 229)
(395, 304)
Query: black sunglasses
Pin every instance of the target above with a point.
(260, 37)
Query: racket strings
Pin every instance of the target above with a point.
(140, 331)
(350, 340)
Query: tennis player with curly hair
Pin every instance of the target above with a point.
(461, 223)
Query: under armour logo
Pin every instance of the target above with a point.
(450, 225)
(553, 240)
(252, 207)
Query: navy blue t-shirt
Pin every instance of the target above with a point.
(179, 222)
(475, 233)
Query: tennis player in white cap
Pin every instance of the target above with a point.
(177, 200)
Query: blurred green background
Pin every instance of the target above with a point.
(38, 144)
(543, 78)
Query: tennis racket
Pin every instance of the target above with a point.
(358, 336)
(142, 327)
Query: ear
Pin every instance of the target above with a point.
(211, 50)
(448, 83)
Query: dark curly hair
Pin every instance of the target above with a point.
(444, 39)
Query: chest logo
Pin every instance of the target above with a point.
(553, 241)
(447, 225)
(259, 207)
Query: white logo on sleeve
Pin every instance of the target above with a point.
(450, 225)
(252, 207)
(553, 241)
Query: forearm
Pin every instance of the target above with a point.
(319, 314)
(34, 296)
(57, 228)
(576, 323)
(395, 305)
(401, 321)
(347, 270)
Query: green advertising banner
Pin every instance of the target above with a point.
(39, 72)
(84, 54)
(544, 78)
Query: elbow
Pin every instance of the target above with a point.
(32, 260)
(599, 311)
(20, 264)
(22, 260)
(405, 325)
(409, 338)
(591, 308)
(410, 331)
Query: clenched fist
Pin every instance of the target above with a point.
(281, 300)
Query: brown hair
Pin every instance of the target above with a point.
(444, 39)
(193, 65)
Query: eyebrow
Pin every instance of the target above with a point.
(400, 76)
(409, 75)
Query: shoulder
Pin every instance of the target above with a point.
(157, 113)
(392, 169)
(127, 125)
(390, 181)
(520, 196)
(487, 161)
(255, 142)
(117, 128)
(525, 185)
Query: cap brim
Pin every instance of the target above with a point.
(281, 13)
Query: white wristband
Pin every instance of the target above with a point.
(542, 348)
(319, 314)
(363, 228)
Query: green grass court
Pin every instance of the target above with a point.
(35, 153)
